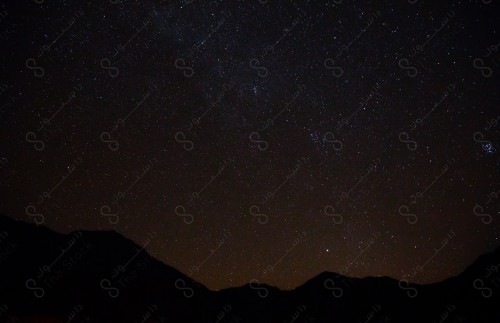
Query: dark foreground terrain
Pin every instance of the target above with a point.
(103, 277)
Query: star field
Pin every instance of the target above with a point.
(258, 140)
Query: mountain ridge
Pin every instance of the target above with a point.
(495, 252)
(115, 279)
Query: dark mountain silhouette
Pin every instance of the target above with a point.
(90, 276)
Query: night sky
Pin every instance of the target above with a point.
(261, 140)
